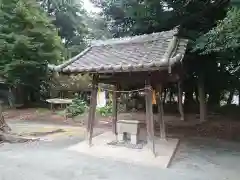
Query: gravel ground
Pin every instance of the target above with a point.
(196, 159)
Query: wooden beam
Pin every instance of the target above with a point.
(202, 98)
(180, 105)
(149, 116)
(114, 111)
(161, 112)
(138, 78)
(92, 110)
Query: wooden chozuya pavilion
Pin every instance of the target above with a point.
(148, 61)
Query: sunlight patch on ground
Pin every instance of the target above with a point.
(47, 131)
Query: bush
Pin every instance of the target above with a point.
(106, 110)
(77, 107)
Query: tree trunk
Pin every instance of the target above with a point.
(230, 97)
(180, 105)
(5, 132)
(3, 125)
(48, 6)
(238, 97)
(164, 96)
(196, 95)
(214, 98)
(202, 98)
(170, 96)
(188, 101)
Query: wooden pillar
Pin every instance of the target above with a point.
(114, 111)
(149, 117)
(92, 109)
(180, 105)
(239, 97)
(202, 98)
(161, 112)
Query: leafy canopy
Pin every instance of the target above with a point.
(28, 41)
(69, 18)
(225, 37)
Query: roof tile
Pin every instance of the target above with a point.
(126, 54)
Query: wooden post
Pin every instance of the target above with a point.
(92, 110)
(180, 105)
(61, 97)
(114, 111)
(149, 116)
(160, 113)
(239, 97)
(202, 98)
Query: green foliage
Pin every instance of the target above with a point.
(235, 2)
(106, 110)
(130, 17)
(28, 41)
(224, 41)
(75, 26)
(77, 107)
(97, 27)
(68, 16)
(225, 37)
(73, 83)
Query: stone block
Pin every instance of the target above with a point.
(130, 127)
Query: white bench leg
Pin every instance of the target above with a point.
(133, 138)
(120, 137)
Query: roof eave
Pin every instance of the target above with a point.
(59, 68)
(162, 65)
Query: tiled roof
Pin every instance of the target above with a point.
(137, 53)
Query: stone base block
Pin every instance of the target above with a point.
(128, 127)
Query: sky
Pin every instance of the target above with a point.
(89, 6)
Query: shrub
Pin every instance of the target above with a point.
(77, 107)
(106, 110)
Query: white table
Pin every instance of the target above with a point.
(59, 101)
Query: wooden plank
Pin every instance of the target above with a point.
(160, 113)
(114, 111)
(92, 110)
(149, 117)
(180, 105)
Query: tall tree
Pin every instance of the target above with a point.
(131, 17)
(28, 41)
(69, 18)
(97, 26)
(224, 41)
